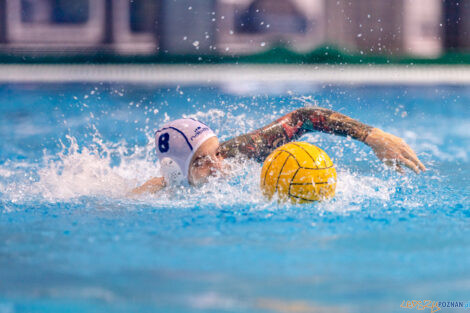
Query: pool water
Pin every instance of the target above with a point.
(72, 241)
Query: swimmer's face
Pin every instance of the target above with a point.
(206, 162)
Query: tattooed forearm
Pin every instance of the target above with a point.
(259, 143)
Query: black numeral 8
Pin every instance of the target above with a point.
(163, 144)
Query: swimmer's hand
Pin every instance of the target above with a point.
(393, 151)
(153, 185)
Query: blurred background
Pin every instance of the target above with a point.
(185, 30)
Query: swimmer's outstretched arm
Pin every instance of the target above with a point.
(260, 143)
(153, 185)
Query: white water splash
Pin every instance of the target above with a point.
(354, 190)
(81, 172)
(221, 121)
(85, 171)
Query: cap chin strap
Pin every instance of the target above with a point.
(171, 171)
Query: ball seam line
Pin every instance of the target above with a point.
(280, 172)
(293, 156)
(316, 169)
(313, 160)
(297, 197)
(320, 152)
(303, 184)
(293, 177)
(269, 166)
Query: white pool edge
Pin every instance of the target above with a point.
(212, 74)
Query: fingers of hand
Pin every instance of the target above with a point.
(409, 154)
(398, 162)
(400, 152)
(395, 165)
(418, 163)
(410, 164)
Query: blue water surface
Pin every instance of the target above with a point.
(72, 241)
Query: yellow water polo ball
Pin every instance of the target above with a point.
(299, 172)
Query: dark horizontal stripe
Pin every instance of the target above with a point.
(302, 198)
(319, 183)
(311, 168)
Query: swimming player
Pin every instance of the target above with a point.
(189, 151)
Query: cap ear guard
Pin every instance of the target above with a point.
(171, 171)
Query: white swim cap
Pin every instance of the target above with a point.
(175, 143)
